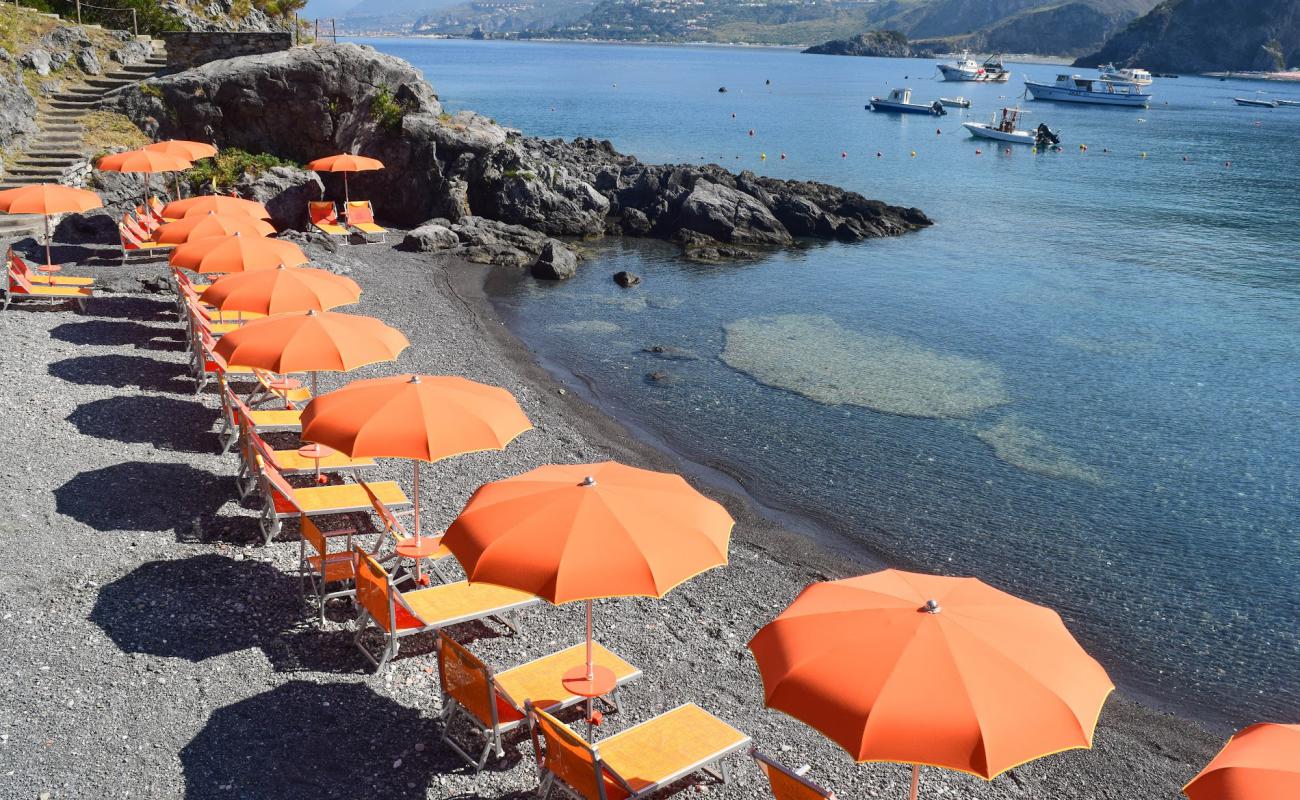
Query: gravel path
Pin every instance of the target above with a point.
(151, 649)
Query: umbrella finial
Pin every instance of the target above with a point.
(588, 481)
(282, 265)
(414, 379)
(932, 607)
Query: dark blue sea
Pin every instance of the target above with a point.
(1081, 385)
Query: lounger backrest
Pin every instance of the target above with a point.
(18, 279)
(374, 591)
(360, 211)
(386, 515)
(312, 534)
(323, 212)
(131, 233)
(787, 784)
(17, 264)
(156, 206)
(567, 755)
(466, 680)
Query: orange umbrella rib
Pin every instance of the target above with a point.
(1261, 762)
(281, 290)
(182, 148)
(143, 161)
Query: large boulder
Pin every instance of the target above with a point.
(132, 52)
(729, 215)
(556, 263)
(89, 62)
(431, 236)
(37, 59)
(488, 241)
(285, 191)
(17, 108)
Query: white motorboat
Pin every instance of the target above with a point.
(900, 102)
(959, 102)
(1287, 102)
(1134, 75)
(1249, 101)
(1074, 89)
(968, 69)
(1005, 129)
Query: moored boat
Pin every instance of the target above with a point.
(968, 69)
(1074, 89)
(1281, 102)
(959, 102)
(1250, 101)
(1005, 129)
(1133, 75)
(900, 102)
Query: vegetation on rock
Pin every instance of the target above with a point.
(230, 166)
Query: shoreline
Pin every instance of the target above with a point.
(816, 543)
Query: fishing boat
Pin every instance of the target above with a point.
(1074, 89)
(958, 102)
(968, 69)
(1250, 101)
(1126, 75)
(900, 102)
(1005, 129)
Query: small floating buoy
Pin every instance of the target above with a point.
(913, 154)
(1105, 150)
(767, 82)
(1227, 163)
(1185, 158)
(1007, 151)
(1083, 148)
(722, 89)
(733, 115)
(879, 154)
(844, 154)
(762, 156)
(938, 132)
(979, 152)
(751, 131)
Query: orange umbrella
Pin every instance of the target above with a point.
(1262, 762)
(143, 161)
(182, 148)
(280, 290)
(237, 253)
(311, 341)
(211, 224)
(48, 199)
(345, 163)
(927, 669)
(420, 417)
(218, 203)
(582, 531)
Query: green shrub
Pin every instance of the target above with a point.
(151, 90)
(386, 111)
(229, 166)
(523, 175)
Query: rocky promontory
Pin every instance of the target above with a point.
(308, 102)
(876, 44)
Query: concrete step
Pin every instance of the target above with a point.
(45, 151)
(59, 126)
(40, 162)
(34, 174)
(64, 102)
(109, 82)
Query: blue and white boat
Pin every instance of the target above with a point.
(900, 102)
(1074, 89)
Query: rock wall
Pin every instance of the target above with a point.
(17, 107)
(310, 102)
(187, 49)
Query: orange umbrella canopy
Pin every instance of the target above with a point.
(48, 199)
(190, 151)
(202, 226)
(311, 341)
(215, 203)
(281, 290)
(345, 162)
(424, 417)
(237, 253)
(582, 531)
(143, 161)
(926, 669)
(1262, 762)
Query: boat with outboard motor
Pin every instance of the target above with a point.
(1126, 75)
(968, 69)
(1074, 89)
(1005, 129)
(955, 102)
(900, 102)
(1249, 101)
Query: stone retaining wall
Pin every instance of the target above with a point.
(191, 48)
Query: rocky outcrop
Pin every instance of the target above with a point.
(285, 191)
(1205, 36)
(220, 15)
(474, 174)
(17, 106)
(429, 238)
(555, 263)
(877, 44)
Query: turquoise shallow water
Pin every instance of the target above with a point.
(1081, 385)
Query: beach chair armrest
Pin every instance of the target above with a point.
(339, 532)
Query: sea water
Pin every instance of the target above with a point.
(1080, 385)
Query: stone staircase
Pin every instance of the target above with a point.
(57, 150)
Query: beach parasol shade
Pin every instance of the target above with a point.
(585, 531)
(236, 253)
(182, 148)
(48, 199)
(926, 669)
(420, 417)
(281, 290)
(311, 341)
(1261, 762)
(345, 163)
(217, 203)
(203, 226)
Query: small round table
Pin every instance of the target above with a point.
(283, 386)
(316, 452)
(424, 547)
(49, 269)
(602, 682)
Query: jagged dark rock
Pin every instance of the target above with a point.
(17, 108)
(308, 102)
(556, 263)
(429, 237)
(878, 44)
(285, 191)
(626, 279)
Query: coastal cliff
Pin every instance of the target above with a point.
(309, 102)
(1203, 36)
(876, 44)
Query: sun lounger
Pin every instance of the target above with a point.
(360, 219)
(788, 784)
(289, 392)
(635, 762)
(136, 242)
(402, 614)
(288, 462)
(263, 421)
(16, 263)
(325, 218)
(329, 573)
(18, 284)
(493, 703)
(146, 220)
(394, 528)
(156, 208)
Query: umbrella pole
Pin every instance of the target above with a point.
(591, 676)
(416, 490)
(916, 779)
(345, 193)
(49, 262)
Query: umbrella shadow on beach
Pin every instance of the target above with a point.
(120, 333)
(153, 497)
(310, 740)
(164, 422)
(124, 372)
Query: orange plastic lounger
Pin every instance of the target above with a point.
(325, 218)
(361, 220)
(282, 499)
(18, 284)
(263, 421)
(401, 614)
(635, 762)
(789, 784)
(136, 242)
(329, 573)
(17, 264)
(288, 462)
(493, 702)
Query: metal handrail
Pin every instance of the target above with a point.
(135, 19)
